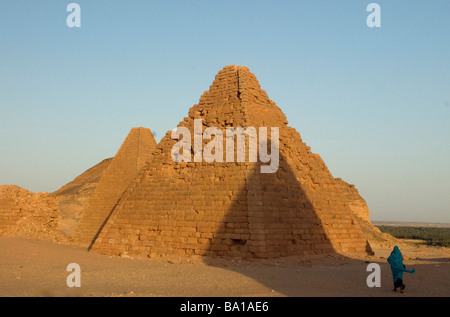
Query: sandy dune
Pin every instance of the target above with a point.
(38, 268)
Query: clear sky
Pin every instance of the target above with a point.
(373, 102)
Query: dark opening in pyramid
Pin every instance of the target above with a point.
(231, 208)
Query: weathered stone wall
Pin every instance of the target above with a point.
(28, 215)
(232, 209)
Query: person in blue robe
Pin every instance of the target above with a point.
(397, 268)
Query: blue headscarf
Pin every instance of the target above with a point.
(396, 262)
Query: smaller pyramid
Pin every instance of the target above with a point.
(135, 151)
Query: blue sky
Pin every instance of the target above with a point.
(373, 102)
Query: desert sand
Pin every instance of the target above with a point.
(33, 268)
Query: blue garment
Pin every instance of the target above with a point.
(396, 262)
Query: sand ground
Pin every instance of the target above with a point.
(38, 268)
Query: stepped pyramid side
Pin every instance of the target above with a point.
(135, 151)
(231, 208)
(357, 204)
(320, 192)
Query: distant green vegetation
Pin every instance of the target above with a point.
(432, 235)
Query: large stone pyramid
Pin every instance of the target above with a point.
(233, 208)
(131, 157)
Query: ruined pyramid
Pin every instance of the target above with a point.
(122, 170)
(232, 208)
(28, 215)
